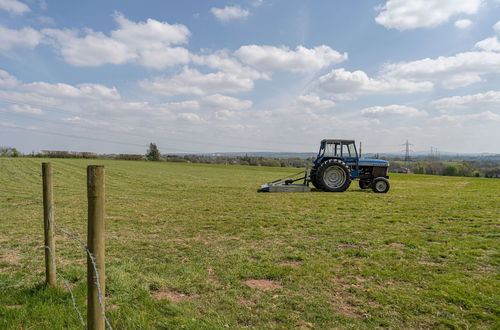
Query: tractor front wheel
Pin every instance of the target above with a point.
(333, 175)
(380, 185)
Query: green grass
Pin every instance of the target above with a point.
(425, 255)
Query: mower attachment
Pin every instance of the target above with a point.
(287, 184)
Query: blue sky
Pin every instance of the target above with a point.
(269, 75)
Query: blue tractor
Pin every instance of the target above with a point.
(336, 165)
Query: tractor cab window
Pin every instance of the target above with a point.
(345, 151)
(338, 149)
(321, 152)
(332, 150)
(349, 150)
(352, 150)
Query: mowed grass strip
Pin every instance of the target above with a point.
(195, 246)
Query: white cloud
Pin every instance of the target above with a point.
(404, 14)
(104, 125)
(149, 34)
(474, 101)
(8, 81)
(162, 58)
(257, 3)
(100, 106)
(147, 43)
(492, 43)
(227, 102)
(93, 49)
(460, 70)
(314, 101)
(463, 23)
(191, 81)
(230, 13)
(86, 91)
(76, 119)
(25, 108)
(46, 20)
(345, 84)
(26, 37)
(392, 110)
(189, 116)
(302, 59)
(221, 60)
(224, 115)
(28, 97)
(184, 105)
(489, 44)
(485, 116)
(496, 27)
(14, 6)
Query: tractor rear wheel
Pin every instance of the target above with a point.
(313, 178)
(364, 184)
(334, 175)
(380, 185)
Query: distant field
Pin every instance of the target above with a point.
(195, 246)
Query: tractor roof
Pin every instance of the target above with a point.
(337, 141)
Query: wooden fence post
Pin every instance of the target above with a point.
(48, 225)
(95, 242)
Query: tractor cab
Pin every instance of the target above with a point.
(340, 149)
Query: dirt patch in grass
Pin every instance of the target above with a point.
(360, 279)
(347, 309)
(13, 306)
(211, 278)
(264, 285)
(340, 284)
(343, 300)
(305, 325)
(172, 296)
(65, 262)
(397, 245)
(11, 258)
(349, 246)
(437, 242)
(245, 302)
(429, 263)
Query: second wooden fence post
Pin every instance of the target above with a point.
(48, 225)
(95, 242)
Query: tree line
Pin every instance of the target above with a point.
(465, 168)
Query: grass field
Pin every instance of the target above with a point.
(195, 246)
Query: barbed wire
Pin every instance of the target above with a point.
(66, 284)
(94, 267)
(87, 251)
(99, 292)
